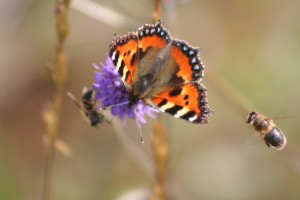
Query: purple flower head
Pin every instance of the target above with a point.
(110, 90)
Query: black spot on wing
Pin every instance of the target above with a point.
(127, 74)
(162, 103)
(177, 91)
(188, 115)
(121, 69)
(173, 110)
(132, 59)
(142, 53)
(176, 79)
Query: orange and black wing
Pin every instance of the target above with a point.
(187, 61)
(123, 53)
(152, 36)
(187, 101)
(183, 64)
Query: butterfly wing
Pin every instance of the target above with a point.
(187, 61)
(123, 52)
(174, 64)
(153, 49)
(177, 90)
(132, 53)
(181, 65)
(187, 101)
(152, 37)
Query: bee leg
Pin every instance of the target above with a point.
(267, 144)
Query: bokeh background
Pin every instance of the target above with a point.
(252, 46)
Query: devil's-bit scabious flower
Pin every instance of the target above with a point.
(111, 91)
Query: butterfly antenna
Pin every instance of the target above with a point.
(119, 104)
(138, 125)
(141, 135)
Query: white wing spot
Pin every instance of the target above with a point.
(167, 105)
(181, 112)
(124, 73)
(191, 119)
(191, 52)
(194, 60)
(196, 67)
(113, 57)
(119, 62)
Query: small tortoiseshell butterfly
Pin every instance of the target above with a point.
(163, 72)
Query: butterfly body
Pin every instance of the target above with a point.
(147, 82)
(162, 72)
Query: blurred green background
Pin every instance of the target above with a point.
(254, 46)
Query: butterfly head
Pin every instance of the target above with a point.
(140, 91)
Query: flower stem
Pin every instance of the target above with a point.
(160, 146)
(161, 152)
(58, 72)
(157, 11)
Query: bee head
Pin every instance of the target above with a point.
(251, 116)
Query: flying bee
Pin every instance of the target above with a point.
(266, 128)
(87, 107)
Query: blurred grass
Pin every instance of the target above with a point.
(254, 46)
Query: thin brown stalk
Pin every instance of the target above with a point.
(58, 72)
(157, 10)
(160, 146)
(161, 152)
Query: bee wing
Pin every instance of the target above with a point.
(75, 100)
(80, 108)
